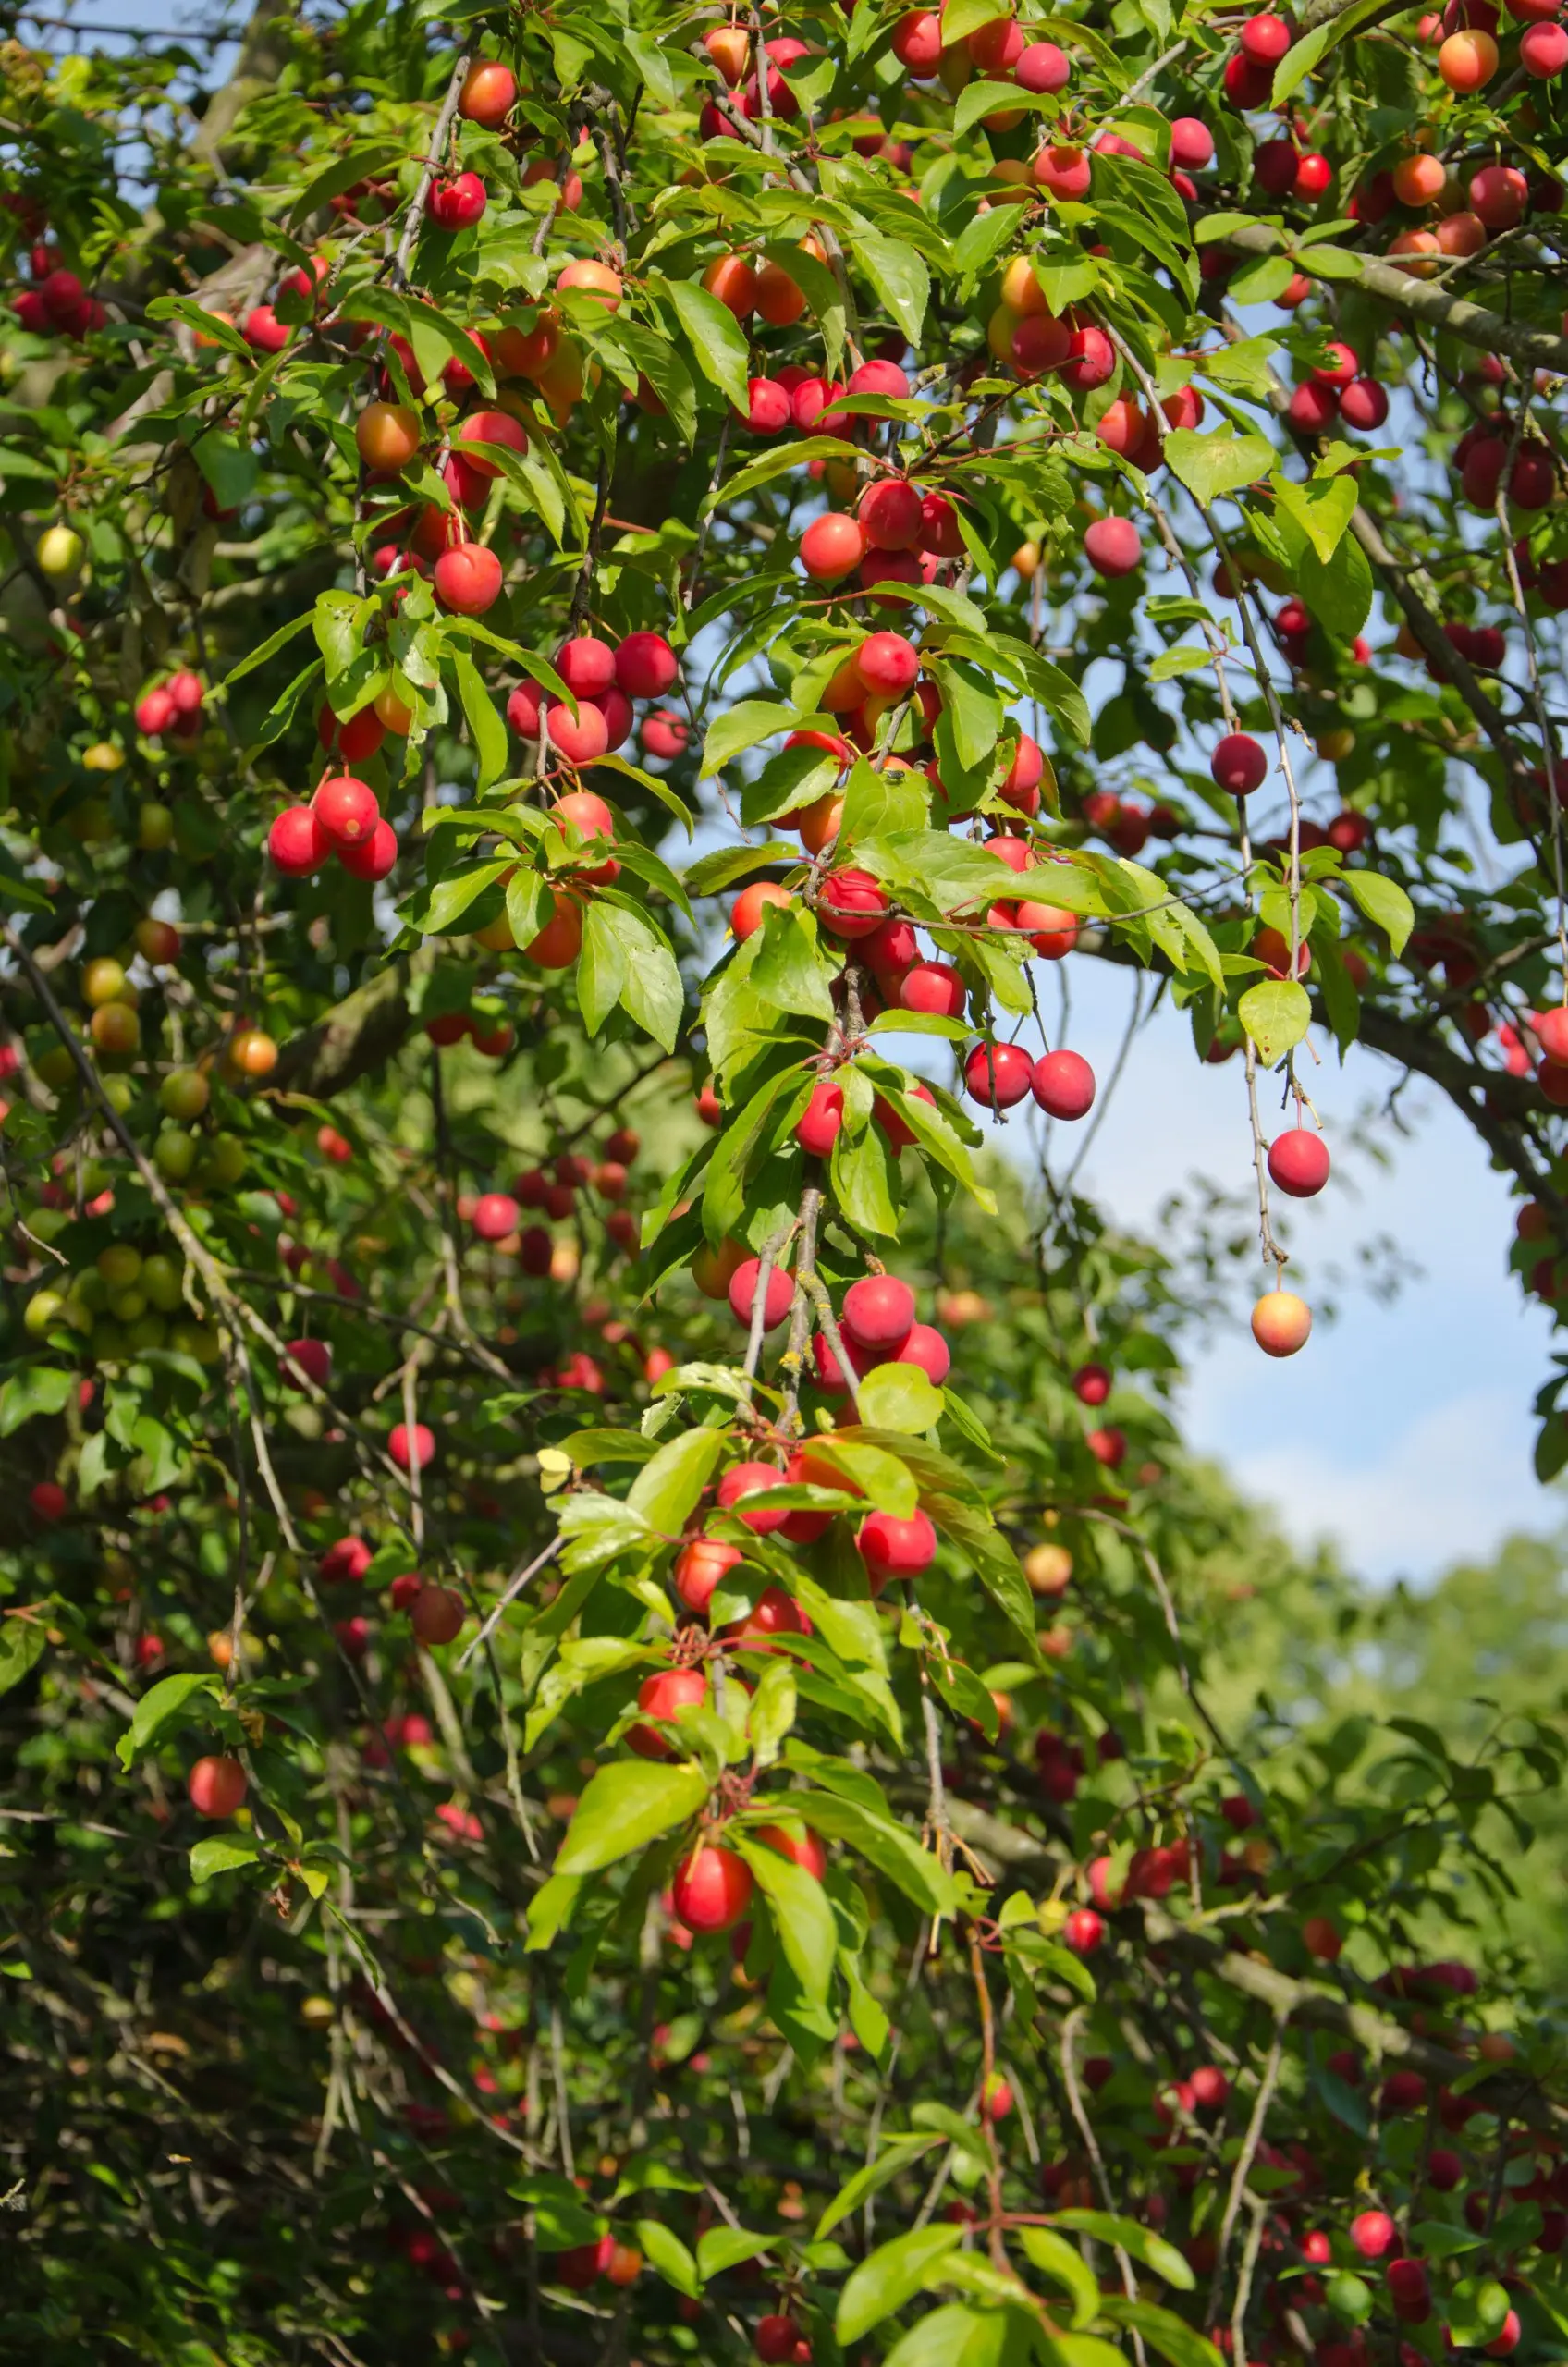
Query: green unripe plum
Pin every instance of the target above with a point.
(198, 1339)
(162, 1281)
(154, 826)
(127, 1306)
(55, 1068)
(92, 822)
(107, 1342)
(119, 1093)
(91, 1289)
(119, 1265)
(184, 1094)
(47, 1224)
(224, 1161)
(44, 1309)
(59, 550)
(148, 1331)
(174, 1155)
(78, 1313)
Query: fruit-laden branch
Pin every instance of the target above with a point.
(1303, 2002)
(1474, 324)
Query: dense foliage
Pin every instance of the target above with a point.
(629, 1736)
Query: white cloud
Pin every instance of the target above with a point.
(1448, 1488)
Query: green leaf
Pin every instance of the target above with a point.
(603, 970)
(1067, 280)
(551, 1909)
(650, 61)
(1343, 2101)
(783, 457)
(1138, 2242)
(231, 468)
(790, 970)
(1349, 2297)
(669, 2256)
(1080, 2351)
(483, 721)
(434, 911)
(1056, 2258)
(1477, 2309)
(878, 803)
(559, 2217)
(885, 1479)
(1385, 904)
(716, 337)
(899, 1397)
(220, 1856)
(1211, 466)
(1330, 262)
(1338, 593)
(627, 1805)
(864, 1172)
(711, 874)
(1322, 509)
(978, 244)
(37, 1389)
(980, 99)
(995, 1563)
(955, 2335)
(962, 17)
(172, 1701)
(365, 163)
(868, 2020)
(895, 2157)
(268, 648)
(896, 271)
(1262, 281)
(1436, 2239)
(1248, 367)
(893, 2275)
(653, 996)
(741, 726)
(668, 1489)
(1276, 1015)
(1187, 657)
(803, 1918)
(885, 1844)
(722, 2248)
(772, 1713)
(22, 1643)
(1309, 52)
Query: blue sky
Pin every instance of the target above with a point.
(1401, 1429)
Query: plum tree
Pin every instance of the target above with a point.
(566, 1417)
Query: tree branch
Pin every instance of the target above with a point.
(1473, 324)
